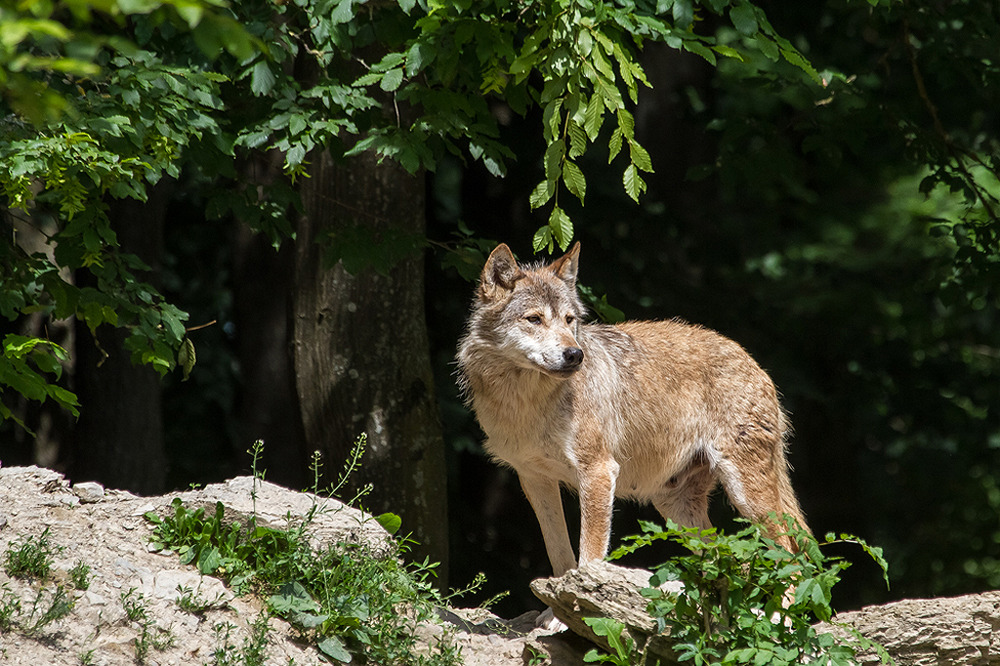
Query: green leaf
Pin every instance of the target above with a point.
(334, 648)
(343, 12)
(541, 194)
(729, 52)
(562, 227)
(574, 179)
(392, 79)
(293, 598)
(634, 184)
(209, 560)
(683, 13)
(186, 358)
(593, 117)
(542, 239)
(614, 145)
(262, 79)
(390, 522)
(767, 47)
(796, 58)
(577, 140)
(418, 57)
(696, 47)
(626, 122)
(640, 157)
(744, 18)
(554, 154)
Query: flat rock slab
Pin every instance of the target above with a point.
(949, 631)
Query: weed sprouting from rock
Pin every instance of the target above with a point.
(344, 598)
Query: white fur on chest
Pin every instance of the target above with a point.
(528, 424)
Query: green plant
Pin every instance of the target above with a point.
(80, 575)
(225, 652)
(746, 600)
(134, 606)
(42, 614)
(30, 557)
(190, 601)
(535, 656)
(151, 636)
(612, 630)
(10, 608)
(343, 597)
(87, 658)
(255, 645)
(252, 653)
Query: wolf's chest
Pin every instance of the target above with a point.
(530, 436)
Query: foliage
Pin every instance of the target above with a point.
(394, 78)
(48, 606)
(251, 653)
(23, 366)
(127, 131)
(30, 557)
(344, 598)
(746, 600)
(80, 575)
(43, 40)
(151, 635)
(44, 611)
(612, 630)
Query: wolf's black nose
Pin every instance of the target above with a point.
(572, 357)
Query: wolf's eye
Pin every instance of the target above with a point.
(534, 319)
(570, 319)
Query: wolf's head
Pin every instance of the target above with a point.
(530, 315)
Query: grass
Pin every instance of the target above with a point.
(342, 598)
(31, 557)
(151, 635)
(80, 575)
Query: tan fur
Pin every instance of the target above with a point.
(657, 412)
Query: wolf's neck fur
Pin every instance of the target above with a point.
(502, 392)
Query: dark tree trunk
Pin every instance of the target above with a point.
(268, 407)
(362, 358)
(119, 437)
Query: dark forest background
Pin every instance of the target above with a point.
(805, 228)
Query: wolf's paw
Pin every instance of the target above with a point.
(549, 622)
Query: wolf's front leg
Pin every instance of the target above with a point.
(597, 480)
(543, 494)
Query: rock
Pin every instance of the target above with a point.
(956, 631)
(602, 589)
(942, 632)
(109, 535)
(89, 492)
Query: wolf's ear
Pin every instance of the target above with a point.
(566, 266)
(499, 274)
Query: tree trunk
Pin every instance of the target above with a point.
(268, 408)
(119, 437)
(361, 351)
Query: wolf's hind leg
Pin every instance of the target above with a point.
(755, 478)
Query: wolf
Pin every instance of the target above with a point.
(654, 411)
